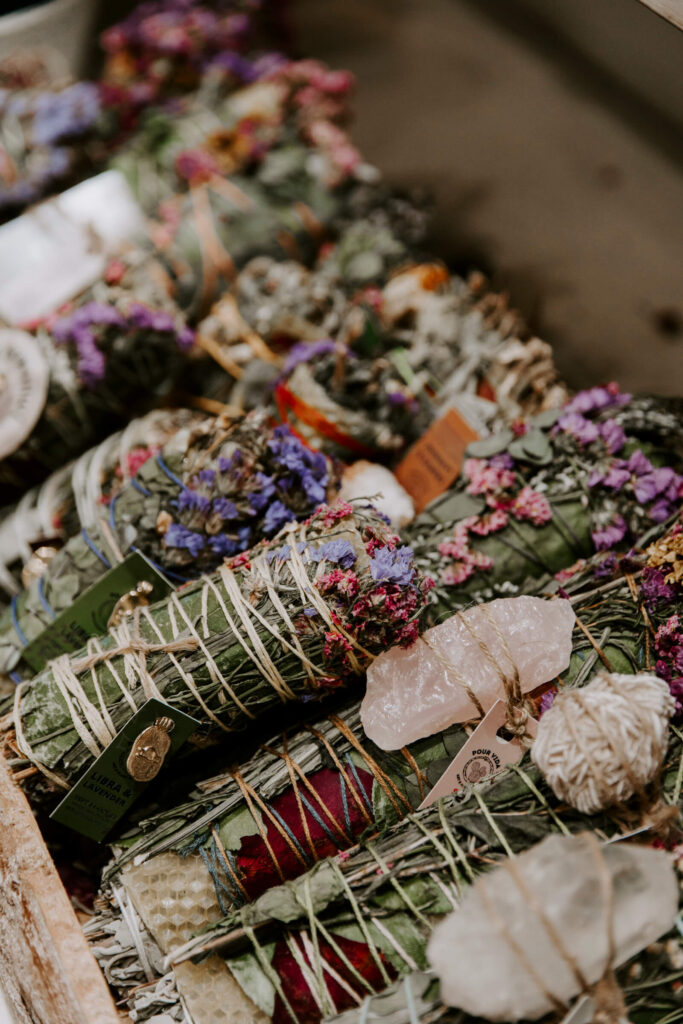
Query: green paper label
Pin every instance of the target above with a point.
(89, 614)
(106, 791)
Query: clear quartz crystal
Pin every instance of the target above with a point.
(419, 691)
(474, 955)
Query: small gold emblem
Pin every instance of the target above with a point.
(149, 750)
(37, 564)
(127, 605)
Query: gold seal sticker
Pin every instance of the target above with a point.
(23, 387)
(149, 750)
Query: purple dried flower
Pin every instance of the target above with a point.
(225, 509)
(225, 465)
(393, 565)
(638, 463)
(654, 588)
(223, 545)
(65, 114)
(304, 351)
(338, 551)
(178, 536)
(260, 498)
(143, 317)
(607, 536)
(613, 435)
(607, 567)
(189, 500)
(502, 461)
(585, 431)
(596, 398)
(660, 511)
(276, 517)
(546, 701)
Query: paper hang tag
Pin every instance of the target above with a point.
(484, 754)
(582, 1012)
(434, 462)
(89, 614)
(61, 246)
(108, 789)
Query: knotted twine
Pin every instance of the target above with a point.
(610, 1006)
(519, 708)
(93, 722)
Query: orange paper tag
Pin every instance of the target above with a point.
(485, 754)
(433, 463)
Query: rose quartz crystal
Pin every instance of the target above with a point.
(420, 691)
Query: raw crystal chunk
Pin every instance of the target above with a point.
(473, 949)
(439, 680)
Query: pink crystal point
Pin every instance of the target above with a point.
(417, 692)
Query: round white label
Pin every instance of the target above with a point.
(24, 379)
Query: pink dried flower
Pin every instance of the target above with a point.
(336, 645)
(457, 573)
(338, 511)
(532, 505)
(485, 478)
(490, 523)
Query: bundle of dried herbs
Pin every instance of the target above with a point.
(374, 375)
(54, 131)
(221, 132)
(315, 792)
(116, 350)
(320, 945)
(77, 496)
(43, 133)
(164, 49)
(285, 622)
(215, 489)
(274, 305)
(548, 492)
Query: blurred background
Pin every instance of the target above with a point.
(551, 138)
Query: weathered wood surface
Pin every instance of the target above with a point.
(47, 972)
(672, 10)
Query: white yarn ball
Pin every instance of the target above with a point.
(600, 744)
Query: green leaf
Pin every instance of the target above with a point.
(249, 975)
(235, 826)
(488, 446)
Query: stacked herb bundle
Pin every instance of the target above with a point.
(352, 924)
(401, 355)
(222, 132)
(76, 496)
(280, 206)
(365, 370)
(314, 793)
(214, 490)
(165, 48)
(116, 350)
(42, 134)
(538, 497)
(275, 304)
(287, 608)
(53, 133)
